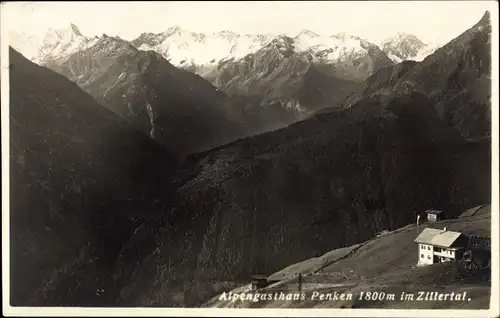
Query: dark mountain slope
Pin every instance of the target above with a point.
(387, 77)
(334, 180)
(457, 77)
(81, 182)
(461, 83)
(177, 108)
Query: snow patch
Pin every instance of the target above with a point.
(338, 47)
(424, 52)
(188, 48)
(394, 58)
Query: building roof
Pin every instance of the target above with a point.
(437, 237)
(433, 212)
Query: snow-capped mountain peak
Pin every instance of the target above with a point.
(401, 36)
(332, 48)
(175, 29)
(344, 36)
(64, 35)
(185, 48)
(74, 29)
(404, 46)
(60, 43)
(308, 33)
(228, 35)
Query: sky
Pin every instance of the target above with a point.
(432, 21)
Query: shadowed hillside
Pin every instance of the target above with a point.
(81, 181)
(457, 77)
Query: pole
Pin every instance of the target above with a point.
(300, 283)
(418, 218)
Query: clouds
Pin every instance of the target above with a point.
(431, 21)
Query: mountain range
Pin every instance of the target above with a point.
(94, 170)
(186, 49)
(203, 53)
(308, 71)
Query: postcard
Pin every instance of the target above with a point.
(274, 159)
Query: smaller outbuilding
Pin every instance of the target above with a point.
(261, 281)
(434, 215)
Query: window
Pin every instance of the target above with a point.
(428, 257)
(429, 248)
(421, 255)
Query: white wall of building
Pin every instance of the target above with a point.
(425, 254)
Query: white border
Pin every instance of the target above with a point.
(4, 77)
(494, 310)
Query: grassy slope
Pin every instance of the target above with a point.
(384, 264)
